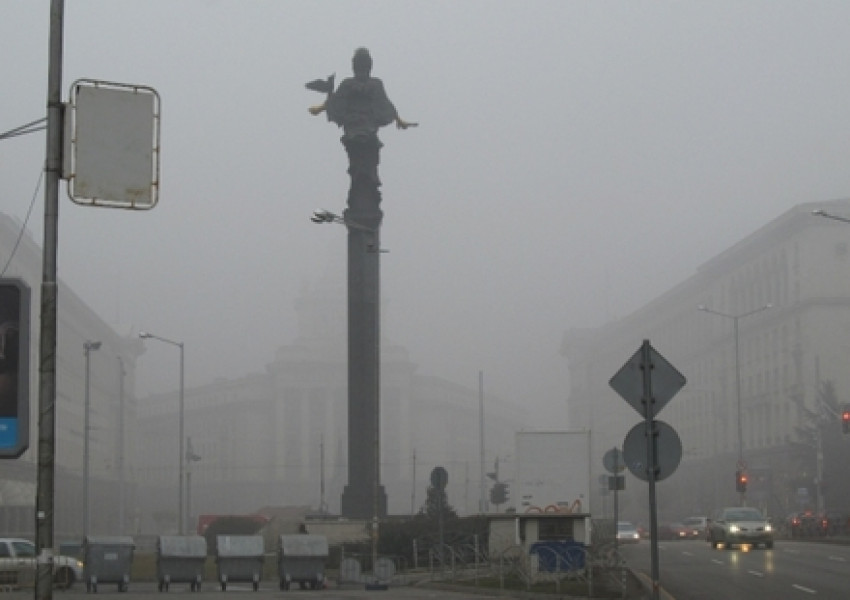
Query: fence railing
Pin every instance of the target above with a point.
(592, 567)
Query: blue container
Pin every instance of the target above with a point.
(559, 556)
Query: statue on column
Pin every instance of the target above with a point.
(360, 106)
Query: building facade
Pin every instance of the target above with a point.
(770, 365)
(279, 437)
(276, 437)
(110, 382)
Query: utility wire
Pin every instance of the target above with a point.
(24, 129)
(26, 220)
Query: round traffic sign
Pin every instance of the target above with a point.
(613, 461)
(668, 450)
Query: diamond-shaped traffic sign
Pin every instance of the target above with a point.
(664, 381)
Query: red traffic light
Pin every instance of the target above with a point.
(740, 481)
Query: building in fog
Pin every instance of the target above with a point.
(279, 437)
(271, 438)
(799, 264)
(111, 405)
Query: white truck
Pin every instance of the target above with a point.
(552, 472)
(18, 565)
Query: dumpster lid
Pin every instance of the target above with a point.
(240, 545)
(304, 545)
(109, 540)
(182, 545)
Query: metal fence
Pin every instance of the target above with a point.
(597, 569)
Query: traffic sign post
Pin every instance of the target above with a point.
(613, 462)
(647, 382)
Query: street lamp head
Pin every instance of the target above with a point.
(702, 307)
(322, 216)
(144, 334)
(819, 212)
(91, 345)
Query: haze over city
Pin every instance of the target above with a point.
(573, 161)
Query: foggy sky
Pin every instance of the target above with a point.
(574, 160)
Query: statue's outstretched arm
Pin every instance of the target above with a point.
(326, 86)
(399, 122)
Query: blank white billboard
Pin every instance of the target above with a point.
(113, 146)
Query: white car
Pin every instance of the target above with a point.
(18, 565)
(627, 533)
(740, 525)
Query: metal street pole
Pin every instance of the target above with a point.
(482, 482)
(819, 458)
(46, 469)
(122, 500)
(88, 346)
(738, 397)
(180, 505)
(735, 318)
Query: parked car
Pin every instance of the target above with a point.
(696, 527)
(627, 533)
(18, 565)
(739, 525)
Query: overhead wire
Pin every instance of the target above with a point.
(24, 224)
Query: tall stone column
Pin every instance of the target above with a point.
(364, 496)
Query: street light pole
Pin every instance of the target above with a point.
(146, 335)
(735, 319)
(819, 451)
(88, 346)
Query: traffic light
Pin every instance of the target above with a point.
(845, 419)
(14, 367)
(741, 481)
(499, 493)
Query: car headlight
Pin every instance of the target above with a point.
(734, 529)
(767, 527)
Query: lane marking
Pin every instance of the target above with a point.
(688, 553)
(756, 573)
(717, 562)
(804, 589)
(838, 558)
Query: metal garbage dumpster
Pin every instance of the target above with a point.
(107, 559)
(180, 559)
(301, 559)
(239, 558)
